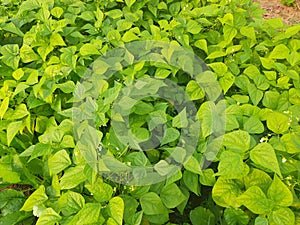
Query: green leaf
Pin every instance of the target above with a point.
(264, 155)
(194, 91)
(261, 221)
(4, 107)
(180, 120)
(167, 196)
(89, 214)
(10, 55)
(229, 33)
(12, 129)
(261, 82)
(202, 44)
(88, 49)
(191, 181)
(115, 13)
(27, 54)
(281, 216)
(280, 193)
(226, 81)
(193, 165)
(237, 140)
(36, 198)
(129, 36)
(280, 52)
(193, 27)
(68, 56)
(254, 126)
(40, 149)
(255, 94)
(248, 31)
(57, 11)
(207, 177)
(48, 216)
(162, 73)
(101, 191)
(226, 192)
(278, 122)
(129, 3)
(201, 215)
(256, 201)
(116, 209)
(163, 168)
(174, 8)
(72, 177)
(231, 166)
(271, 99)
(152, 204)
(7, 174)
(170, 135)
(44, 50)
(258, 178)
(11, 27)
(208, 115)
(236, 216)
(56, 40)
(20, 112)
(291, 142)
(71, 202)
(130, 215)
(216, 54)
(59, 161)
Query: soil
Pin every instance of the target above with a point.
(274, 9)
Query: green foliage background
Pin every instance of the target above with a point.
(45, 47)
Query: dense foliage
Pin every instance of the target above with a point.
(46, 47)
